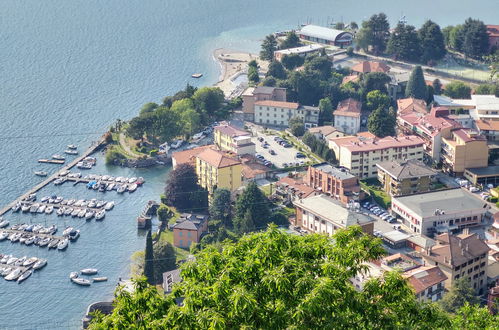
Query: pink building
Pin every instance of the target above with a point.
(189, 229)
(260, 93)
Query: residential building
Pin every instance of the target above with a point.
(361, 154)
(405, 177)
(489, 129)
(411, 105)
(188, 229)
(218, 169)
(302, 51)
(324, 35)
(188, 156)
(483, 175)
(465, 148)
(260, 93)
(335, 182)
(171, 278)
(325, 132)
(292, 188)
(370, 66)
(347, 116)
(398, 83)
(230, 138)
(428, 282)
(493, 33)
(322, 214)
(480, 107)
(252, 169)
(277, 113)
(493, 300)
(461, 256)
(439, 211)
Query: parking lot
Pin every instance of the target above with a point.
(284, 157)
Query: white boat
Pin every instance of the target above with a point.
(24, 276)
(58, 157)
(3, 235)
(49, 209)
(132, 180)
(82, 213)
(72, 146)
(111, 178)
(89, 271)
(16, 207)
(71, 202)
(44, 242)
(132, 187)
(122, 188)
(36, 228)
(73, 275)
(6, 271)
(41, 173)
(4, 223)
(25, 208)
(53, 243)
(89, 215)
(5, 258)
(14, 274)
(81, 281)
(19, 262)
(67, 231)
(11, 261)
(105, 177)
(30, 240)
(71, 152)
(109, 206)
(63, 244)
(110, 186)
(100, 215)
(68, 211)
(40, 264)
(58, 199)
(15, 238)
(91, 204)
(100, 204)
(74, 235)
(41, 209)
(30, 261)
(34, 208)
(63, 173)
(75, 213)
(60, 211)
(99, 279)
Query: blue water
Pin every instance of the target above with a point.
(69, 68)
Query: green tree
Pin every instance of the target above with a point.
(474, 317)
(276, 70)
(487, 89)
(476, 41)
(296, 126)
(375, 81)
(493, 61)
(329, 156)
(164, 213)
(437, 86)
(416, 86)
(269, 46)
(326, 108)
(460, 293)
(254, 200)
(183, 191)
(141, 125)
(292, 61)
(167, 124)
(374, 33)
(354, 26)
(209, 99)
(429, 94)
(292, 40)
(404, 43)
(269, 81)
(253, 76)
(221, 207)
(320, 64)
(381, 123)
(148, 107)
(339, 26)
(457, 90)
(432, 42)
(164, 259)
(149, 260)
(446, 32)
(246, 224)
(376, 99)
(456, 37)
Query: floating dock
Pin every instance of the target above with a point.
(51, 161)
(12, 231)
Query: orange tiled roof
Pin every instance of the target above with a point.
(350, 78)
(218, 158)
(360, 145)
(422, 278)
(231, 130)
(279, 104)
(410, 104)
(369, 66)
(298, 185)
(349, 107)
(487, 125)
(493, 30)
(188, 156)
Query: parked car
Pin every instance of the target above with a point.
(198, 136)
(265, 145)
(272, 152)
(259, 156)
(260, 139)
(300, 155)
(177, 144)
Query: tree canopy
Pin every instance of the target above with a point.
(276, 70)
(381, 123)
(432, 42)
(296, 126)
(457, 90)
(292, 40)
(149, 260)
(376, 99)
(183, 191)
(253, 202)
(269, 46)
(292, 61)
(374, 33)
(404, 43)
(416, 86)
(220, 208)
(460, 293)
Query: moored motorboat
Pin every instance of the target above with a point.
(82, 213)
(110, 186)
(81, 281)
(4, 223)
(44, 242)
(58, 157)
(132, 187)
(63, 244)
(99, 279)
(34, 208)
(72, 146)
(3, 235)
(75, 213)
(24, 275)
(20, 261)
(25, 208)
(100, 215)
(60, 211)
(67, 231)
(41, 209)
(30, 240)
(49, 209)
(11, 261)
(89, 215)
(121, 188)
(132, 180)
(5, 258)
(71, 152)
(41, 173)
(68, 211)
(6, 271)
(73, 235)
(30, 261)
(73, 275)
(16, 207)
(14, 274)
(109, 206)
(89, 271)
(40, 264)
(53, 243)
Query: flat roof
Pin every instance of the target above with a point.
(484, 171)
(449, 201)
(395, 236)
(334, 171)
(300, 50)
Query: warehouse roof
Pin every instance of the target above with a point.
(321, 32)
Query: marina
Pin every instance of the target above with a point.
(19, 269)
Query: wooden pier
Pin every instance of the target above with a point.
(52, 161)
(95, 146)
(15, 231)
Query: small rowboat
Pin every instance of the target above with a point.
(196, 75)
(99, 279)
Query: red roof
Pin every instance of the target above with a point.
(410, 104)
(350, 78)
(487, 125)
(231, 130)
(422, 278)
(384, 143)
(432, 125)
(349, 107)
(468, 135)
(493, 30)
(298, 185)
(278, 104)
(218, 158)
(188, 156)
(369, 66)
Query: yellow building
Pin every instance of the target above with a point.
(231, 139)
(218, 169)
(464, 149)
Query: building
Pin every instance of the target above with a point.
(322, 214)
(493, 300)
(483, 176)
(230, 138)
(404, 177)
(480, 107)
(188, 156)
(350, 78)
(493, 33)
(188, 229)
(347, 116)
(302, 51)
(292, 188)
(277, 113)
(370, 66)
(325, 132)
(361, 154)
(171, 278)
(218, 169)
(398, 83)
(253, 169)
(411, 105)
(428, 282)
(324, 35)
(464, 255)
(334, 182)
(489, 129)
(465, 148)
(260, 93)
(439, 211)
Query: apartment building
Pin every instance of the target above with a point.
(322, 214)
(218, 169)
(405, 177)
(347, 116)
(260, 93)
(461, 256)
(465, 148)
(361, 154)
(277, 113)
(230, 138)
(335, 182)
(439, 211)
(480, 107)
(489, 129)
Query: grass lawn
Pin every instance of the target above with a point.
(266, 189)
(373, 188)
(168, 236)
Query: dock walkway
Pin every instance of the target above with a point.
(48, 180)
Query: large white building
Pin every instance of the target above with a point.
(347, 116)
(325, 35)
(484, 107)
(278, 113)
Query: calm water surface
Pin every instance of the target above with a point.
(69, 68)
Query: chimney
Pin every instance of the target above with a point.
(466, 231)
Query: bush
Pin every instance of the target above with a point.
(350, 51)
(113, 156)
(153, 152)
(493, 199)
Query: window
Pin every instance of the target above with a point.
(188, 234)
(180, 233)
